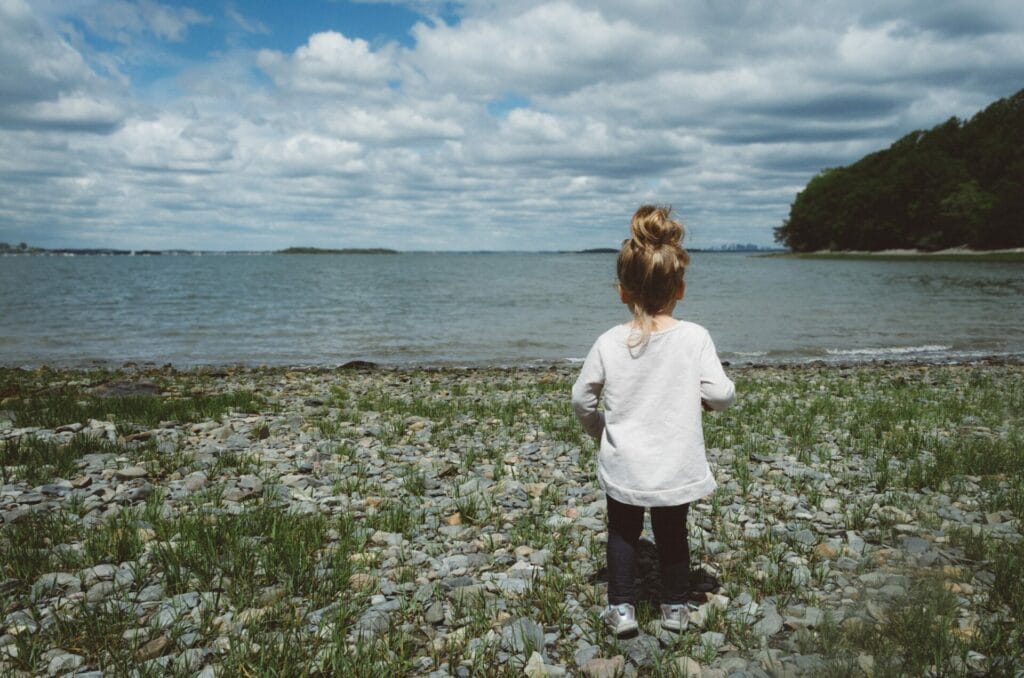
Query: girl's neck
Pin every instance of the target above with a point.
(659, 322)
(663, 321)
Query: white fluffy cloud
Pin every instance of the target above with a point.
(329, 62)
(524, 124)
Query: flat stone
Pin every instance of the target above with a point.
(916, 545)
(371, 624)
(687, 667)
(512, 586)
(712, 639)
(153, 648)
(805, 537)
(434, 613)
(64, 662)
(63, 581)
(522, 633)
(734, 666)
(100, 590)
(770, 624)
(855, 542)
(130, 473)
(642, 651)
(598, 667)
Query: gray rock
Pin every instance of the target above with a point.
(64, 582)
(131, 473)
(642, 651)
(434, 613)
(371, 624)
(805, 537)
(769, 624)
(915, 545)
(100, 590)
(64, 662)
(712, 639)
(522, 635)
(855, 542)
(597, 667)
(585, 654)
(734, 666)
(509, 586)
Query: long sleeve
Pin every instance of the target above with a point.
(586, 393)
(716, 389)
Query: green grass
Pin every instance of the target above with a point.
(68, 406)
(891, 444)
(35, 461)
(917, 637)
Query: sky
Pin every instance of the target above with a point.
(476, 125)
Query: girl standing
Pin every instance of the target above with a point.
(654, 375)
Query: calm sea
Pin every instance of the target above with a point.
(472, 309)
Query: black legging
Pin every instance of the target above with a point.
(625, 522)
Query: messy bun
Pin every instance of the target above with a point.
(650, 266)
(653, 227)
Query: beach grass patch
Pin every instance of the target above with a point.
(917, 637)
(34, 460)
(27, 548)
(69, 406)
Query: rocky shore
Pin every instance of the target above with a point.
(245, 521)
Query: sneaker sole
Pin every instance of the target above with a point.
(625, 630)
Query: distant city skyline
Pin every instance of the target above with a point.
(477, 125)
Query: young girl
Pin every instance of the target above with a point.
(654, 374)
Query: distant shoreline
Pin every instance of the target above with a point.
(111, 252)
(1014, 255)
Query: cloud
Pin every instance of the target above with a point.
(123, 21)
(328, 63)
(44, 81)
(546, 49)
(247, 24)
(518, 124)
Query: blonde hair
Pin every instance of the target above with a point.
(650, 267)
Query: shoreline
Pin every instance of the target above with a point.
(1009, 255)
(568, 365)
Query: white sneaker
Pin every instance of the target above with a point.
(620, 619)
(675, 617)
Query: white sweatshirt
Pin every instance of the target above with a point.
(652, 441)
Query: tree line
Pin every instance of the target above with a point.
(959, 183)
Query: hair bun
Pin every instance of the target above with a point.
(654, 227)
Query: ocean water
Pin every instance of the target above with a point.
(491, 309)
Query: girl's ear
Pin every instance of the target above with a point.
(681, 290)
(624, 295)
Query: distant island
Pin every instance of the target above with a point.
(346, 250)
(24, 249)
(733, 247)
(959, 184)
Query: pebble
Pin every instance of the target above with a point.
(796, 511)
(599, 667)
(64, 662)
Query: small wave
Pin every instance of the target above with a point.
(888, 350)
(747, 354)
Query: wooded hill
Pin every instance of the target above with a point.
(959, 183)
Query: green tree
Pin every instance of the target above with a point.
(959, 183)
